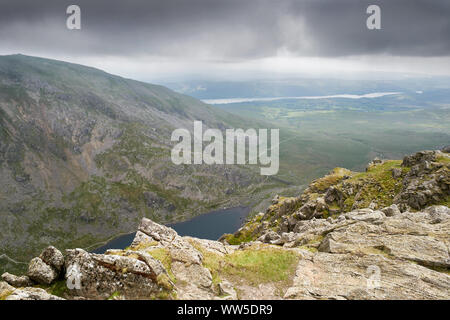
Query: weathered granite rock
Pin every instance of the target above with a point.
(194, 274)
(438, 214)
(41, 272)
(350, 276)
(156, 231)
(391, 210)
(5, 290)
(123, 264)
(362, 254)
(420, 158)
(227, 291)
(102, 275)
(396, 173)
(407, 236)
(32, 294)
(16, 281)
(141, 237)
(213, 246)
(269, 237)
(365, 215)
(53, 257)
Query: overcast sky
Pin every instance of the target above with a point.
(157, 39)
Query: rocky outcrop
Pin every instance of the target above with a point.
(53, 257)
(390, 186)
(305, 247)
(22, 281)
(31, 294)
(9, 292)
(47, 267)
(427, 181)
(362, 254)
(100, 276)
(41, 272)
(370, 276)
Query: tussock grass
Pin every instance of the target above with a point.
(163, 255)
(254, 265)
(262, 265)
(444, 159)
(321, 184)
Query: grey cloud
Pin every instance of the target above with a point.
(227, 29)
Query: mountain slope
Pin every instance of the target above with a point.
(84, 155)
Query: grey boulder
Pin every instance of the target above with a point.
(53, 257)
(16, 281)
(41, 272)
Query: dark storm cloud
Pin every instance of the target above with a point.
(227, 29)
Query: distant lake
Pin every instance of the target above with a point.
(210, 226)
(341, 96)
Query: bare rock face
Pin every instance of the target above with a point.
(269, 237)
(186, 261)
(390, 211)
(41, 272)
(404, 256)
(156, 231)
(420, 158)
(350, 276)
(396, 237)
(227, 290)
(427, 182)
(438, 214)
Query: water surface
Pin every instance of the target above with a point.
(210, 226)
(336, 96)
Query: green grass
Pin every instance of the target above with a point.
(163, 255)
(377, 184)
(245, 235)
(443, 159)
(343, 133)
(255, 265)
(114, 295)
(336, 175)
(59, 288)
(211, 261)
(261, 265)
(446, 202)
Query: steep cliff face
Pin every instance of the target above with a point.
(392, 252)
(84, 155)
